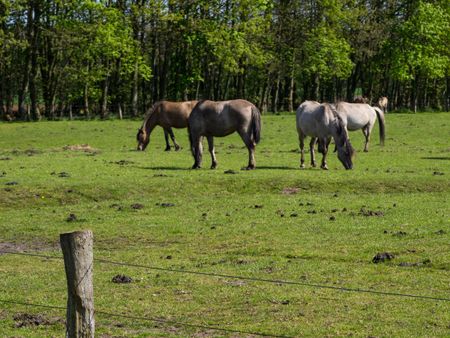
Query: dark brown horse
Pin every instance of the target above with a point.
(222, 118)
(168, 115)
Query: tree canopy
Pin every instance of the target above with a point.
(102, 57)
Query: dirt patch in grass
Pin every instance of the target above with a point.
(382, 257)
(290, 191)
(367, 212)
(80, 147)
(28, 319)
(122, 279)
(6, 247)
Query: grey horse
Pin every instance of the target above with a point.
(361, 116)
(383, 103)
(168, 115)
(320, 122)
(222, 118)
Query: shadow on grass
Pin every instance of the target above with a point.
(443, 158)
(274, 167)
(164, 168)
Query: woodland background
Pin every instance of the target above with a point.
(106, 58)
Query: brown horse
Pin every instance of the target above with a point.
(222, 118)
(168, 115)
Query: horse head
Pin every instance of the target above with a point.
(345, 149)
(143, 139)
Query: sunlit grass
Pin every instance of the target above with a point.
(276, 222)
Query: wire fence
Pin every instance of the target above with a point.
(216, 275)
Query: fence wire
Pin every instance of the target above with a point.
(254, 279)
(152, 319)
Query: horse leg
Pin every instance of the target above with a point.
(197, 150)
(211, 151)
(172, 136)
(251, 149)
(325, 142)
(166, 136)
(366, 132)
(301, 138)
(311, 150)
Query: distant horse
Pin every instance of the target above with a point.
(362, 116)
(167, 115)
(222, 118)
(383, 103)
(361, 99)
(320, 121)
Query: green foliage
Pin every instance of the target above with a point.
(422, 45)
(327, 54)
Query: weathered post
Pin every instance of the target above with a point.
(78, 262)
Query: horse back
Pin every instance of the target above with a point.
(221, 118)
(174, 114)
(312, 119)
(356, 115)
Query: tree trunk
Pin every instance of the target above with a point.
(34, 46)
(104, 109)
(275, 94)
(135, 92)
(86, 100)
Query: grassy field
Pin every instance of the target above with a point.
(278, 222)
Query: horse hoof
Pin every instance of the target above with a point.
(302, 166)
(213, 166)
(196, 166)
(324, 167)
(250, 167)
(177, 148)
(313, 164)
(167, 149)
(366, 150)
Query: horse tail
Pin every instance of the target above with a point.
(381, 123)
(255, 128)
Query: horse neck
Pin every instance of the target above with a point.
(338, 128)
(151, 121)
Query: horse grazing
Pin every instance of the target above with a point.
(222, 118)
(362, 116)
(167, 115)
(320, 121)
(383, 103)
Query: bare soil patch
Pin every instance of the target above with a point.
(6, 247)
(80, 147)
(290, 191)
(28, 319)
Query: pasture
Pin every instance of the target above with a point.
(320, 229)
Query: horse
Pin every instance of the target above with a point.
(320, 121)
(383, 103)
(222, 118)
(168, 115)
(361, 116)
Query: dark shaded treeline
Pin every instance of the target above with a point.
(95, 58)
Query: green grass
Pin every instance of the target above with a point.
(246, 224)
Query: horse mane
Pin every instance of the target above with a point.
(342, 129)
(150, 113)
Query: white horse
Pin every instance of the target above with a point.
(361, 116)
(321, 121)
(383, 103)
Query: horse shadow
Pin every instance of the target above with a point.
(274, 167)
(164, 168)
(443, 158)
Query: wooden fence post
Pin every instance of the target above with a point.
(78, 262)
